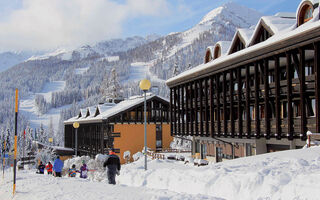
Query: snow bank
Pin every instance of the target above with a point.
(282, 175)
(293, 174)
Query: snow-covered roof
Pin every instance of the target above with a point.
(92, 110)
(224, 46)
(110, 109)
(286, 14)
(244, 35)
(273, 25)
(103, 107)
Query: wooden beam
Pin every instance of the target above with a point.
(231, 102)
(196, 130)
(289, 96)
(179, 110)
(211, 107)
(224, 83)
(206, 106)
(191, 109)
(302, 93)
(277, 105)
(218, 105)
(201, 105)
(182, 111)
(317, 83)
(239, 102)
(187, 108)
(248, 117)
(266, 98)
(175, 111)
(256, 101)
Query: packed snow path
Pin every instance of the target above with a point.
(32, 186)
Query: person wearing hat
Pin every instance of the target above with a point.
(83, 170)
(57, 167)
(41, 168)
(113, 164)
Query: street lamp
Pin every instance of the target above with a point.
(76, 126)
(145, 86)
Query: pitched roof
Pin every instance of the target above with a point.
(244, 36)
(110, 109)
(274, 25)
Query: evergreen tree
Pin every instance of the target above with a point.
(110, 86)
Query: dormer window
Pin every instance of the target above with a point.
(238, 46)
(217, 52)
(97, 112)
(208, 56)
(263, 35)
(305, 13)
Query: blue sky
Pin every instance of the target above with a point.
(196, 9)
(51, 24)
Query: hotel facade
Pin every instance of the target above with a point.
(255, 94)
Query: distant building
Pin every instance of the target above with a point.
(121, 126)
(258, 93)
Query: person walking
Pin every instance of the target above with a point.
(41, 168)
(83, 170)
(113, 164)
(57, 167)
(49, 168)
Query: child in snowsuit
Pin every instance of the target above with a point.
(73, 171)
(49, 168)
(41, 168)
(83, 171)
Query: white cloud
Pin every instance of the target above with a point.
(48, 24)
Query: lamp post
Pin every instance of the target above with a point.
(76, 126)
(145, 86)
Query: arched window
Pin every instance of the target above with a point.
(208, 57)
(217, 52)
(305, 13)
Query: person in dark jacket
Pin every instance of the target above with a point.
(57, 167)
(41, 168)
(113, 164)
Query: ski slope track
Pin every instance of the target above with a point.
(28, 108)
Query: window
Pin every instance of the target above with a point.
(217, 52)
(208, 57)
(305, 13)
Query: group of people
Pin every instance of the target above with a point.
(83, 171)
(54, 169)
(112, 164)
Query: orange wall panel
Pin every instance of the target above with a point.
(132, 138)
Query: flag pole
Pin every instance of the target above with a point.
(15, 144)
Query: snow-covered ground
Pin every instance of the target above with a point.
(140, 70)
(28, 108)
(80, 71)
(293, 174)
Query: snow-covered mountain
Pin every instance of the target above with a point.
(9, 59)
(83, 69)
(104, 49)
(221, 19)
